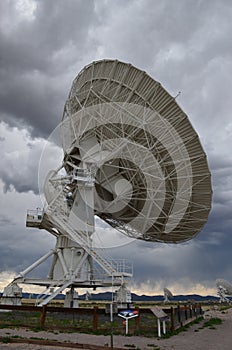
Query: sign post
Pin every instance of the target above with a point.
(161, 317)
(127, 315)
(111, 326)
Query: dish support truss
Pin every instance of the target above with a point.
(69, 216)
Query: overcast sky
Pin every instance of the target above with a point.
(185, 45)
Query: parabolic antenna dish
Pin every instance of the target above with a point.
(168, 293)
(152, 180)
(225, 285)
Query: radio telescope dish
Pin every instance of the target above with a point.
(152, 180)
(223, 288)
(88, 295)
(132, 158)
(167, 295)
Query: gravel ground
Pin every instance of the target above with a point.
(194, 338)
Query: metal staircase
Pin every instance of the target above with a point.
(58, 213)
(109, 265)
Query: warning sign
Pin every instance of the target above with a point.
(159, 313)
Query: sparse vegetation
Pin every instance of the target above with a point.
(86, 322)
(182, 329)
(154, 347)
(16, 336)
(5, 340)
(212, 322)
(225, 307)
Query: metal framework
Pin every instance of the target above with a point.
(224, 289)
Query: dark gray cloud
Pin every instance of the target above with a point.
(5, 220)
(20, 156)
(22, 247)
(36, 54)
(186, 45)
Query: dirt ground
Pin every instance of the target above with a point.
(195, 338)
